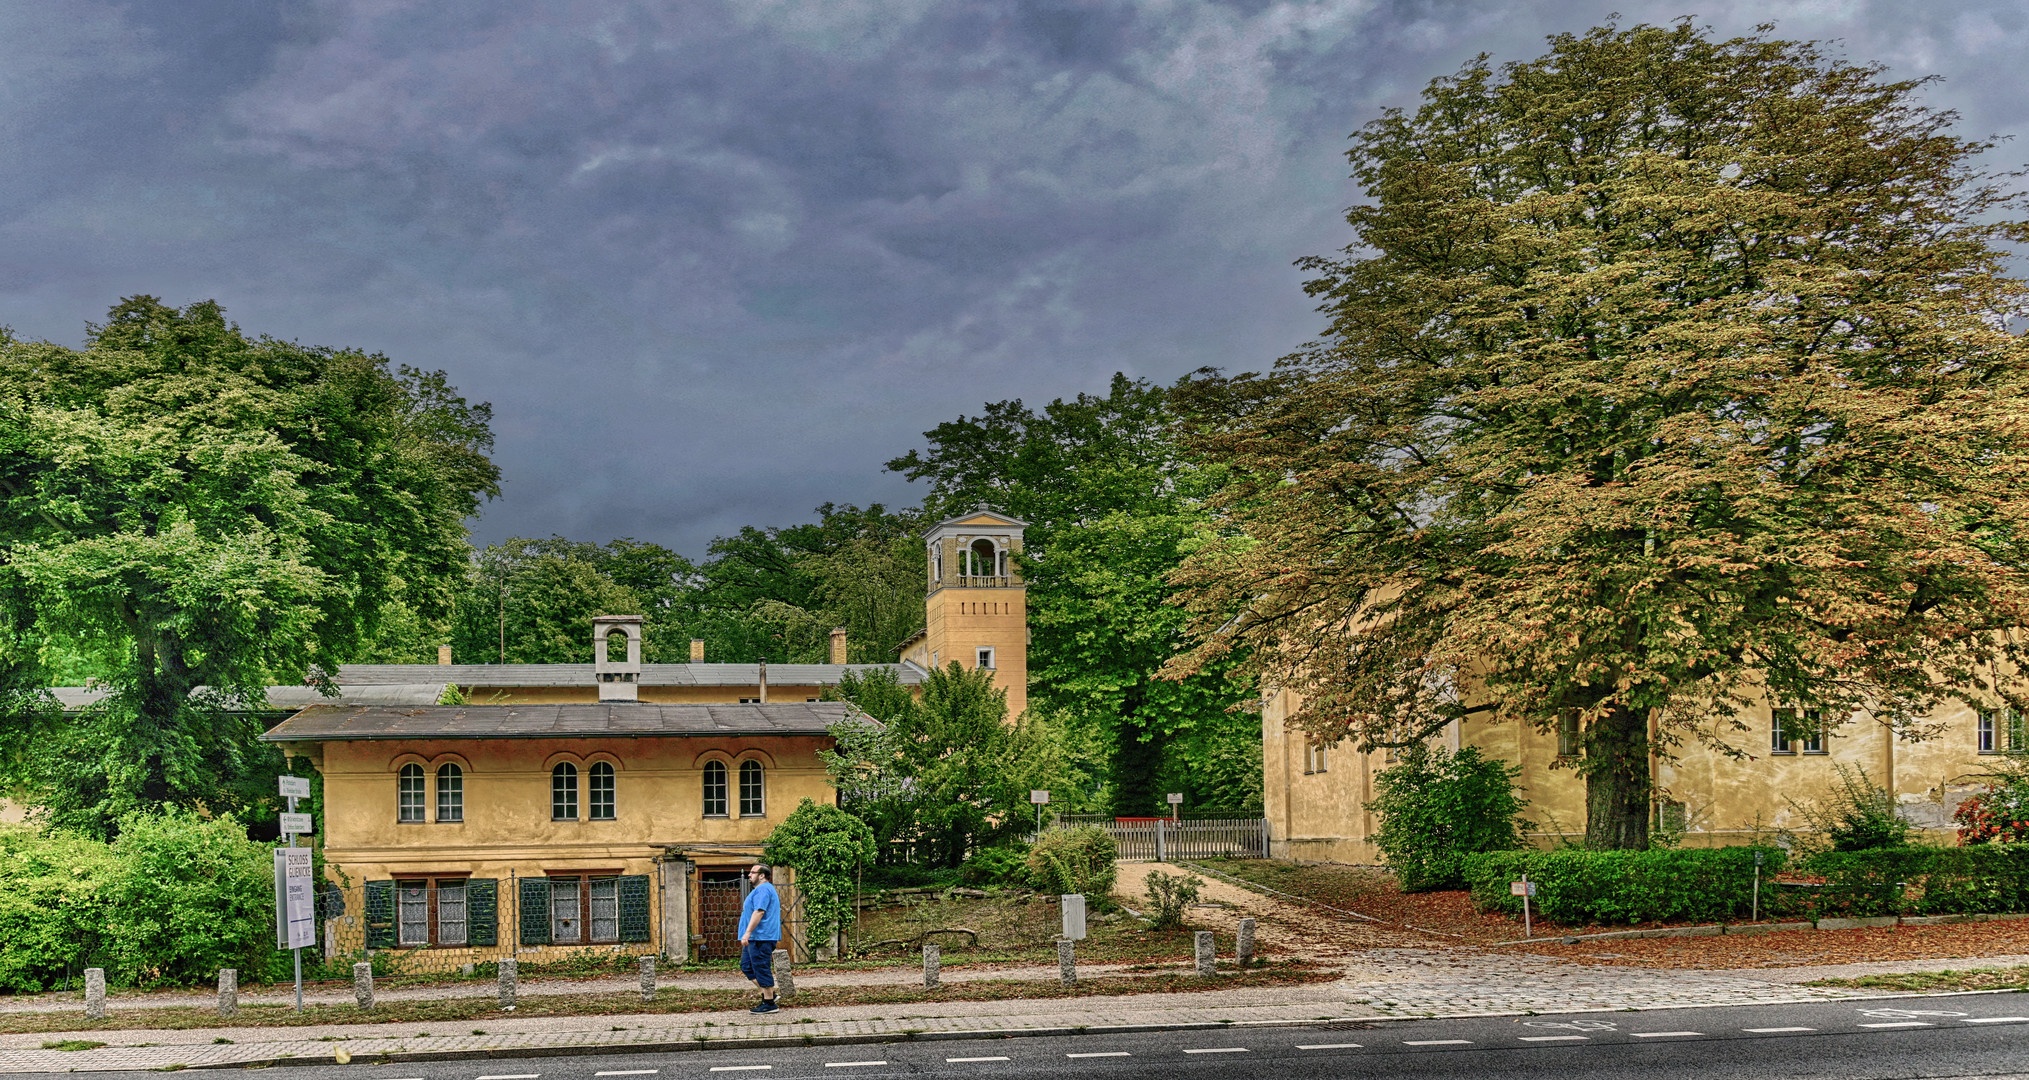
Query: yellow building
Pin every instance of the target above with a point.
(1315, 796)
(612, 805)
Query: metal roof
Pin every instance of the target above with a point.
(582, 674)
(329, 723)
(417, 692)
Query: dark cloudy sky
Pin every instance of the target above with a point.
(714, 263)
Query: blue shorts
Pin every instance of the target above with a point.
(757, 962)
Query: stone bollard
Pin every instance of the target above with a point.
(228, 992)
(95, 993)
(1208, 958)
(1067, 964)
(648, 978)
(508, 976)
(933, 967)
(785, 975)
(1243, 948)
(362, 983)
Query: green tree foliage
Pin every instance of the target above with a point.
(1437, 807)
(197, 514)
(1664, 374)
(828, 847)
(948, 773)
(1113, 505)
(532, 601)
(1074, 860)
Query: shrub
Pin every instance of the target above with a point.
(1437, 807)
(827, 846)
(1078, 860)
(53, 899)
(1997, 815)
(1169, 895)
(1579, 888)
(1854, 814)
(996, 866)
(190, 895)
(1914, 881)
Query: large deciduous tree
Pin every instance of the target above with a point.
(194, 514)
(1665, 374)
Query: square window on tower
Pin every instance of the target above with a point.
(986, 659)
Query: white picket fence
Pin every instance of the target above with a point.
(1162, 840)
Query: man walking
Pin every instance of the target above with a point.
(760, 929)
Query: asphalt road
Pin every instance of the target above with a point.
(1983, 1035)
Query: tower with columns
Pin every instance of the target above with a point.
(976, 613)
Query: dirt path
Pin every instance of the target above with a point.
(1280, 926)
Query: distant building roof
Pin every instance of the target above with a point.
(411, 692)
(582, 674)
(329, 723)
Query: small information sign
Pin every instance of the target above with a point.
(1040, 798)
(298, 824)
(297, 787)
(295, 907)
(1521, 888)
(1176, 798)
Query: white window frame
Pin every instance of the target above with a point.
(593, 805)
(984, 657)
(760, 801)
(411, 794)
(721, 798)
(451, 795)
(564, 791)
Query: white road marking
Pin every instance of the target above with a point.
(957, 1060)
(1556, 1038)
(1328, 1046)
(1904, 1023)
(1438, 1042)
(1103, 1053)
(1997, 1019)
(1775, 1031)
(1662, 1034)
(628, 1072)
(730, 1068)
(850, 1064)
(1219, 1050)
(509, 1076)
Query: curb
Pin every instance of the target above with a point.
(779, 1043)
(1717, 929)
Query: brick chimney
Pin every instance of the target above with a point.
(697, 650)
(762, 680)
(838, 645)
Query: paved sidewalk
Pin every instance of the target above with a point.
(1385, 983)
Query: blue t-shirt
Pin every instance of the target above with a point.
(763, 900)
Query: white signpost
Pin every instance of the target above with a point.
(1040, 799)
(1176, 805)
(1524, 889)
(295, 891)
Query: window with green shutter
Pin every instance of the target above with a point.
(535, 911)
(380, 914)
(634, 908)
(482, 900)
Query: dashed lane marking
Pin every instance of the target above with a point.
(1775, 1031)
(1218, 1050)
(1556, 1038)
(850, 1064)
(1900, 1024)
(957, 1061)
(1997, 1019)
(628, 1072)
(1328, 1046)
(1437, 1042)
(1102, 1053)
(509, 1076)
(730, 1068)
(1662, 1034)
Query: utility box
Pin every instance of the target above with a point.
(1074, 916)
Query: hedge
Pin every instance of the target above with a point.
(1587, 888)
(1982, 879)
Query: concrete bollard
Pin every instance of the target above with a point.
(228, 992)
(648, 978)
(1243, 948)
(785, 975)
(1208, 958)
(95, 993)
(1067, 963)
(508, 977)
(362, 983)
(933, 967)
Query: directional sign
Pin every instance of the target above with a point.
(296, 823)
(1521, 888)
(295, 786)
(1039, 797)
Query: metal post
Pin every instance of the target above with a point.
(514, 938)
(1757, 887)
(1528, 925)
(298, 951)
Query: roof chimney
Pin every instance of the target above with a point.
(838, 645)
(443, 656)
(697, 650)
(619, 680)
(762, 679)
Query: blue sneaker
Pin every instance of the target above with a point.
(765, 1007)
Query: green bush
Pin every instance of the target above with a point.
(1169, 895)
(53, 901)
(1853, 814)
(1078, 860)
(1913, 881)
(1579, 888)
(191, 895)
(996, 866)
(827, 846)
(1437, 807)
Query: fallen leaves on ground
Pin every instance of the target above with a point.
(2014, 978)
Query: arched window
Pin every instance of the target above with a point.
(409, 802)
(450, 793)
(983, 558)
(602, 791)
(751, 802)
(564, 792)
(715, 789)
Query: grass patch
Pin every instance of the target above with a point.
(1012, 928)
(666, 1002)
(2015, 978)
(73, 1044)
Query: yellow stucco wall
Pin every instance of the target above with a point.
(961, 619)
(1321, 816)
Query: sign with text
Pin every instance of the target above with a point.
(298, 824)
(297, 787)
(1039, 797)
(1521, 888)
(1176, 798)
(295, 907)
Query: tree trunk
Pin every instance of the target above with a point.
(1617, 782)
